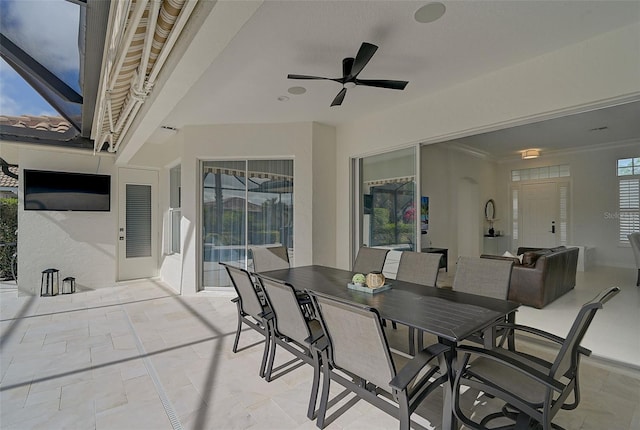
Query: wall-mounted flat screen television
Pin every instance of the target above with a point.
(65, 191)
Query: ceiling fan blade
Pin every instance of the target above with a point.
(347, 66)
(365, 53)
(393, 85)
(338, 100)
(307, 77)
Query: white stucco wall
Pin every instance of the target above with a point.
(599, 69)
(445, 172)
(219, 142)
(593, 197)
(79, 244)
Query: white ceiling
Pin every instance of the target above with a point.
(243, 83)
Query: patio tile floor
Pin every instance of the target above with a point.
(137, 356)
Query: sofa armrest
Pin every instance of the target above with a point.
(515, 260)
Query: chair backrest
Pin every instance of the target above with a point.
(567, 357)
(634, 240)
(243, 284)
(419, 267)
(289, 319)
(273, 258)
(356, 339)
(483, 276)
(369, 260)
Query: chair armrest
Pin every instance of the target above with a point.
(235, 300)
(314, 339)
(544, 334)
(415, 365)
(514, 364)
(321, 344)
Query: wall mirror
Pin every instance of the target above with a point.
(490, 210)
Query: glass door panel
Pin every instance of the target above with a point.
(388, 192)
(223, 219)
(244, 203)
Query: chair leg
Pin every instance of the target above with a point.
(313, 398)
(238, 330)
(412, 344)
(272, 356)
(267, 343)
(324, 398)
(405, 415)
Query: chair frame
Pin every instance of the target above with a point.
(431, 264)
(258, 321)
(407, 398)
(559, 382)
(307, 351)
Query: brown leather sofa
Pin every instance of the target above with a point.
(543, 276)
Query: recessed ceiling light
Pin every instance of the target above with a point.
(429, 12)
(297, 90)
(283, 98)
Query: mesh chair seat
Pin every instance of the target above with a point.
(534, 388)
(251, 310)
(358, 358)
(419, 268)
(370, 260)
(291, 330)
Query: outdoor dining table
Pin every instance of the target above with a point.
(451, 316)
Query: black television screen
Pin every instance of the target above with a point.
(63, 191)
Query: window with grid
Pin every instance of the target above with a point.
(628, 170)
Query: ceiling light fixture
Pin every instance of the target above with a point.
(528, 154)
(429, 12)
(283, 98)
(297, 90)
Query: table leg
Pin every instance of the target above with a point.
(449, 420)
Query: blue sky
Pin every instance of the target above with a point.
(48, 31)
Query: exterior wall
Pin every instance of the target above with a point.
(593, 71)
(254, 142)
(79, 244)
(324, 200)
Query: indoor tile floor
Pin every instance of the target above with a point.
(136, 356)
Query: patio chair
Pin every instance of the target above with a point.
(272, 258)
(369, 260)
(420, 268)
(484, 277)
(359, 359)
(293, 332)
(634, 240)
(533, 389)
(251, 310)
(276, 258)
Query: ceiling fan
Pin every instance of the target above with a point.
(351, 68)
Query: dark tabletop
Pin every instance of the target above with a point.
(449, 314)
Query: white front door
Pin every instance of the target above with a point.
(540, 213)
(137, 224)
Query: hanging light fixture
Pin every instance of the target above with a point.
(530, 153)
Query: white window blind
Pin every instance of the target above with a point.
(629, 212)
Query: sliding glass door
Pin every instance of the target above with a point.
(244, 203)
(387, 191)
